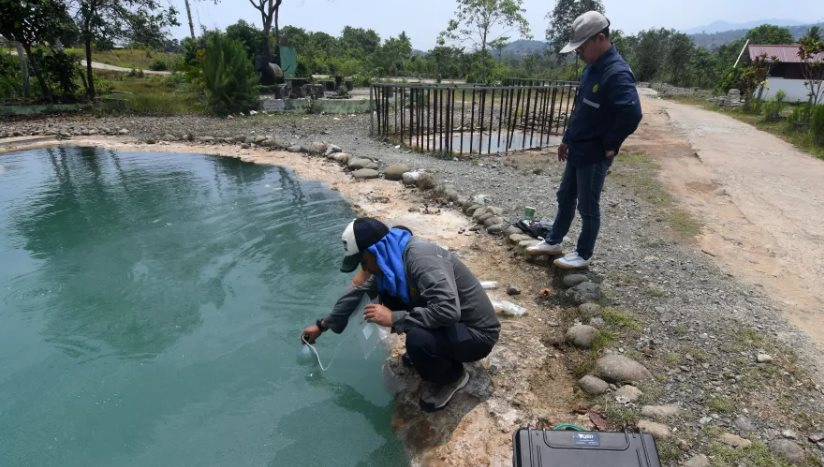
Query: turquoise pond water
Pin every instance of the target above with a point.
(150, 311)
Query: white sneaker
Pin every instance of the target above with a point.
(572, 261)
(545, 248)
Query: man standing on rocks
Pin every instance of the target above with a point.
(607, 111)
(425, 292)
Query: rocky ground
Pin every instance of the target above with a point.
(656, 337)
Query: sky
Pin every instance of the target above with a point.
(424, 19)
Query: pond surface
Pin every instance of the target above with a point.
(150, 310)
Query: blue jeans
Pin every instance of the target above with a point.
(581, 185)
(438, 354)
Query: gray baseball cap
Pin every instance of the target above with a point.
(584, 27)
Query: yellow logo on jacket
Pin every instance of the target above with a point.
(596, 88)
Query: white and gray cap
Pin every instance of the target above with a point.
(584, 27)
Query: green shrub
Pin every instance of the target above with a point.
(817, 124)
(773, 108)
(229, 78)
(159, 65)
(60, 71)
(799, 117)
(11, 80)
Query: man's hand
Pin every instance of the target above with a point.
(610, 153)
(311, 334)
(360, 277)
(563, 152)
(378, 314)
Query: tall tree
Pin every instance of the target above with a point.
(769, 34)
(499, 44)
(269, 13)
(811, 53)
(31, 22)
(483, 21)
(189, 16)
(562, 16)
(107, 20)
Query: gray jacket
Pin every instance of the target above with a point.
(443, 291)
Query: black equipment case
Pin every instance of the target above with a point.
(548, 448)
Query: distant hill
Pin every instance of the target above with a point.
(724, 26)
(714, 40)
(523, 47)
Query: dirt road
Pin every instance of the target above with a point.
(760, 199)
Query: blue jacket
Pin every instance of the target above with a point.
(607, 110)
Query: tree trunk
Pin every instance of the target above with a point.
(189, 14)
(43, 88)
(277, 31)
(24, 68)
(87, 41)
(267, 46)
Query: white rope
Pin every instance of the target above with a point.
(317, 355)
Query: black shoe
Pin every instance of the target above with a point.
(406, 360)
(437, 396)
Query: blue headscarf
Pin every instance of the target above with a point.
(389, 253)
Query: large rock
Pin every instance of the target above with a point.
(363, 174)
(620, 369)
(341, 157)
(734, 440)
(628, 393)
(317, 148)
(697, 461)
(332, 148)
(571, 280)
(581, 336)
(589, 310)
(395, 171)
(295, 148)
(788, 450)
(657, 430)
(496, 229)
(411, 178)
(360, 163)
(494, 220)
(518, 238)
(660, 412)
(593, 385)
(584, 292)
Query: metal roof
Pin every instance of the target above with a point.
(783, 53)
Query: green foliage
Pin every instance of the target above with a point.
(750, 79)
(478, 20)
(810, 49)
(159, 65)
(60, 72)
(562, 16)
(248, 35)
(230, 80)
(11, 80)
(817, 124)
(769, 34)
(773, 108)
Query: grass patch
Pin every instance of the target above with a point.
(721, 405)
(154, 95)
(638, 172)
(668, 451)
(672, 359)
(140, 59)
(620, 416)
(620, 319)
(757, 455)
(602, 340)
